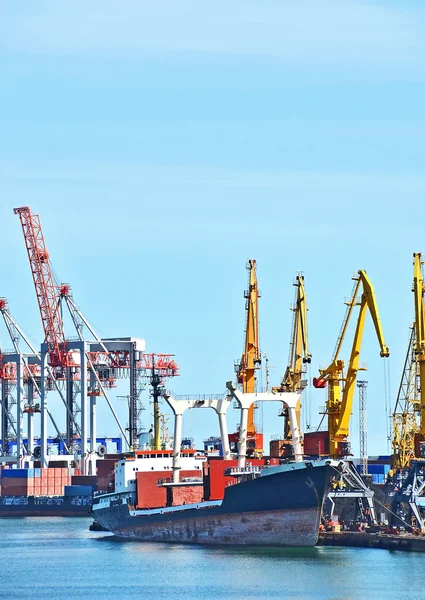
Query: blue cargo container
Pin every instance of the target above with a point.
(14, 473)
(378, 478)
(78, 490)
(37, 472)
(377, 469)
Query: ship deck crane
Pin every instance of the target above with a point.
(340, 397)
(299, 354)
(250, 361)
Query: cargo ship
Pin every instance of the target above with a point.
(260, 504)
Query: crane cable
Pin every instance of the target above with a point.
(387, 400)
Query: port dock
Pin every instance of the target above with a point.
(359, 539)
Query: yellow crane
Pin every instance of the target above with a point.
(409, 411)
(419, 345)
(251, 357)
(340, 397)
(299, 354)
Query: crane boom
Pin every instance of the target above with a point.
(298, 347)
(368, 301)
(45, 287)
(251, 357)
(298, 353)
(419, 345)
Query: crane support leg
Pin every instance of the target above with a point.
(92, 463)
(30, 426)
(295, 432)
(224, 435)
(242, 436)
(19, 409)
(177, 447)
(43, 415)
(84, 424)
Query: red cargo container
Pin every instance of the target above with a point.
(218, 480)
(14, 481)
(316, 443)
(149, 494)
(20, 490)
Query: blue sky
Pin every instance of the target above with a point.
(164, 144)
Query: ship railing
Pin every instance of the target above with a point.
(277, 437)
(166, 480)
(236, 471)
(231, 482)
(197, 397)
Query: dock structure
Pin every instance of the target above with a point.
(384, 541)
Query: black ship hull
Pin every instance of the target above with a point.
(281, 508)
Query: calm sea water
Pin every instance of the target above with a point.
(60, 558)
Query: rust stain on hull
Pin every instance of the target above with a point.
(275, 528)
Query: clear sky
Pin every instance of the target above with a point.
(165, 143)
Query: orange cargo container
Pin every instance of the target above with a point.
(188, 494)
(149, 494)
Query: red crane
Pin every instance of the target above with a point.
(45, 288)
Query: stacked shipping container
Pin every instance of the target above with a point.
(35, 482)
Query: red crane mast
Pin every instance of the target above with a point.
(45, 288)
